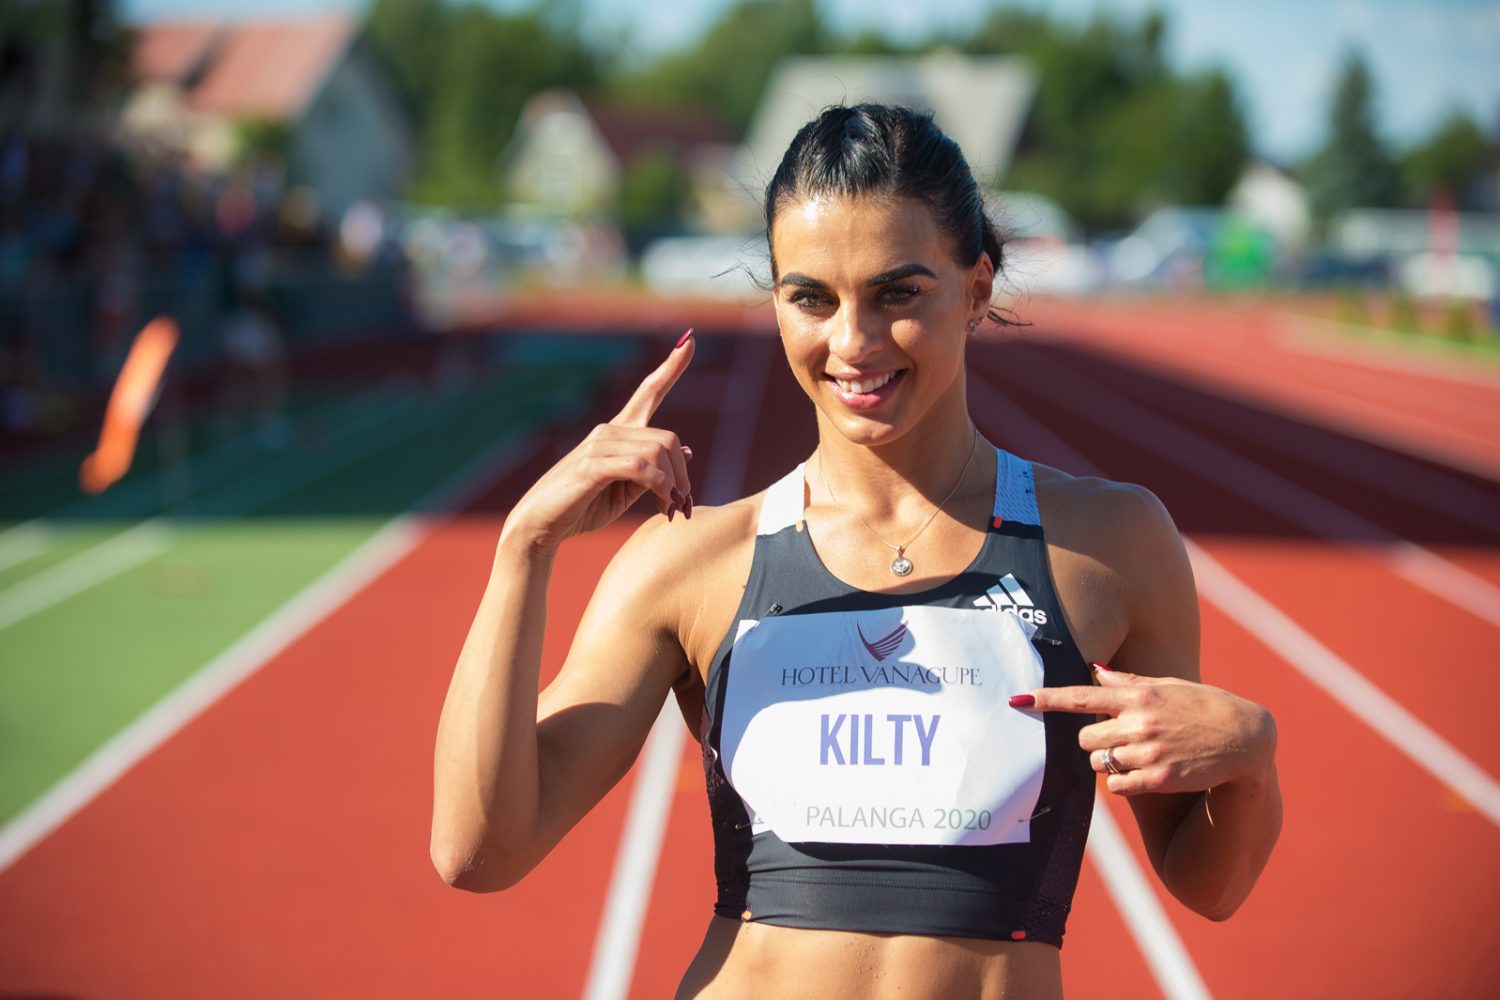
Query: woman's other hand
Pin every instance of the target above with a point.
(618, 461)
(1166, 735)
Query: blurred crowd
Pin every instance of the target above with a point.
(94, 242)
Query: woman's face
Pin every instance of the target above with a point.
(873, 312)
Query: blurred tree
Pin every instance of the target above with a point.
(409, 36)
(727, 69)
(1208, 144)
(468, 70)
(1354, 169)
(1114, 131)
(1452, 159)
(258, 138)
(653, 191)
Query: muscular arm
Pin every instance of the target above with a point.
(1209, 846)
(514, 771)
(1197, 762)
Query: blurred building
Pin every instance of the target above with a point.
(306, 90)
(573, 157)
(1269, 197)
(981, 101)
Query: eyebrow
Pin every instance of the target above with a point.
(884, 277)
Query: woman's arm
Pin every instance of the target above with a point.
(1198, 762)
(512, 772)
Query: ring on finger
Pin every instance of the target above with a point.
(1109, 762)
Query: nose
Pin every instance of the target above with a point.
(858, 334)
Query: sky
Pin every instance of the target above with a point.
(1427, 57)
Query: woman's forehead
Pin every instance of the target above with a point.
(854, 232)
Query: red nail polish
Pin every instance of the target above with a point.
(1022, 700)
(671, 509)
(687, 507)
(684, 338)
(677, 498)
(1103, 666)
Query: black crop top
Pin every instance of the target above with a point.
(865, 771)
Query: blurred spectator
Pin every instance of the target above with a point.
(255, 381)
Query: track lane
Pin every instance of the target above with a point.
(1219, 348)
(1322, 872)
(312, 782)
(1374, 851)
(1306, 573)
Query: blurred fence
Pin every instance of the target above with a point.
(73, 329)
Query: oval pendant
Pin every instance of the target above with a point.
(901, 566)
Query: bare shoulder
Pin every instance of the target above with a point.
(1116, 522)
(1120, 567)
(689, 572)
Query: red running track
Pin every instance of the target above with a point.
(277, 845)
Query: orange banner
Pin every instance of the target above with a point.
(129, 404)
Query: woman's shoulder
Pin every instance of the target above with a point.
(688, 573)
(666, 553)
(1093, 512)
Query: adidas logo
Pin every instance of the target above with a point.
(1007, 595)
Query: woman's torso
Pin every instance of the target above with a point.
(741, 956)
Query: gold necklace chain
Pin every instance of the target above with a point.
(901, 565)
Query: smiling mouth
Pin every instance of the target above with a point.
(863, 386)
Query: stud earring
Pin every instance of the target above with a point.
(973, 325)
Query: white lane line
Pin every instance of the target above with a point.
(613, 961)
(1345, 684)
(135, 545)
(1294, 644)
(24, 541)
(88, 568)
(1305, 398)
(619, 939)
(1294, 503)
(1145, 917)
(140, 495)
(1123, 876)
(298, 615)
(1388, 471)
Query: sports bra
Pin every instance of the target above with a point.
(865, 771)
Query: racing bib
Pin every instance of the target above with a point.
(887, 726)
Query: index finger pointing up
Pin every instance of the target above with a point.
(654, 387)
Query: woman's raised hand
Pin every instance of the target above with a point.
(609, 470)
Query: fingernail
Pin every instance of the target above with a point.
(1102, 666)
(677, 498)
(1022, 700)
(671, 509)
(684, 338)
(687, 453)
(687, 507)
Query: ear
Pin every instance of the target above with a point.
(981, 287)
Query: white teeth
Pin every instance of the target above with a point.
(866, 386)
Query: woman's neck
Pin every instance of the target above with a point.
(915, 471)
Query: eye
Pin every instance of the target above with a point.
(807, 299)
(899, 294)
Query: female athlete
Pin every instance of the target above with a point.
(889, 649)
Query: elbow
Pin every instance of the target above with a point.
(1222, 911)
(475, 870)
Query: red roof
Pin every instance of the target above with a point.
(263, 69)
(632, 131)
(170, 50)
